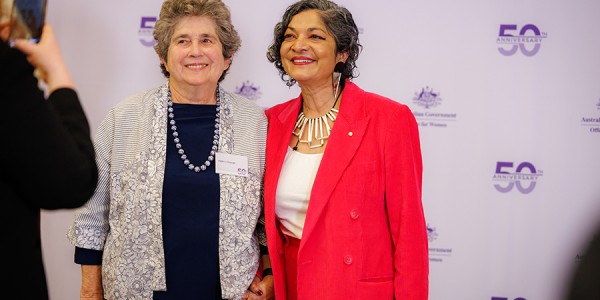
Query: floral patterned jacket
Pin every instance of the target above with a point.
(123, 217)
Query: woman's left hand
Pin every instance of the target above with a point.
(260, 289)
(46, 57)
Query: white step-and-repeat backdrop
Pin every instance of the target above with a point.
(506, 93)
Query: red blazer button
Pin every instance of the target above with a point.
(354, 214)
(348, 259)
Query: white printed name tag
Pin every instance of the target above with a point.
(231, 164)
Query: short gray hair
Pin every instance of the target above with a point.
(173, 10)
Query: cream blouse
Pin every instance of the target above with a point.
(293, 190)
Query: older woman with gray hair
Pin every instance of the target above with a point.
(176, 212)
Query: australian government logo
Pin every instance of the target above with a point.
(145, 32)
(526, 39)
(429, 100)
(510, 176)
(592, 123)
(436, 254)
(249, 91)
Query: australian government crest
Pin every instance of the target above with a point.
(430, 116)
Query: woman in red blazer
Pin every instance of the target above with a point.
(343, 174)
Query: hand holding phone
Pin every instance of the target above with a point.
(47, 59)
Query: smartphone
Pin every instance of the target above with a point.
(27, 20)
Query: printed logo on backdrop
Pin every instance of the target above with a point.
(593, 123)
(523, 178)
(436, 254)
(432, 234)
(429, 99)
(146, 30)
(248, 90)
(513, 39)
(507, 298)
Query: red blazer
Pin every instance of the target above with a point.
(364, 236)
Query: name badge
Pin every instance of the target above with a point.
(231, 164)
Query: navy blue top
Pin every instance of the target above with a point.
(190, 212)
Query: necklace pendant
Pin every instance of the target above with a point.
(317, 129)
(320, 144)
(315, 134)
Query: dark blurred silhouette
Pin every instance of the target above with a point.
(47, 158)
(585, 282)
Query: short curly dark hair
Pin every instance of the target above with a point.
(173, 10)
(339, 23)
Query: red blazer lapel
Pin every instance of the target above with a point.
(346, 137)
(280, 129)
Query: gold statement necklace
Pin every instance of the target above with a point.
(318, 129)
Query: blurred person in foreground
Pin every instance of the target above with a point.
(176, 212)
(343, 209)
(47, 159)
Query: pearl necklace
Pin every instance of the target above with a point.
(179, 146)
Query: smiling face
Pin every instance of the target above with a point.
(195, 55)
(308, 52)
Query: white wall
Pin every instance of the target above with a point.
(490, 110)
